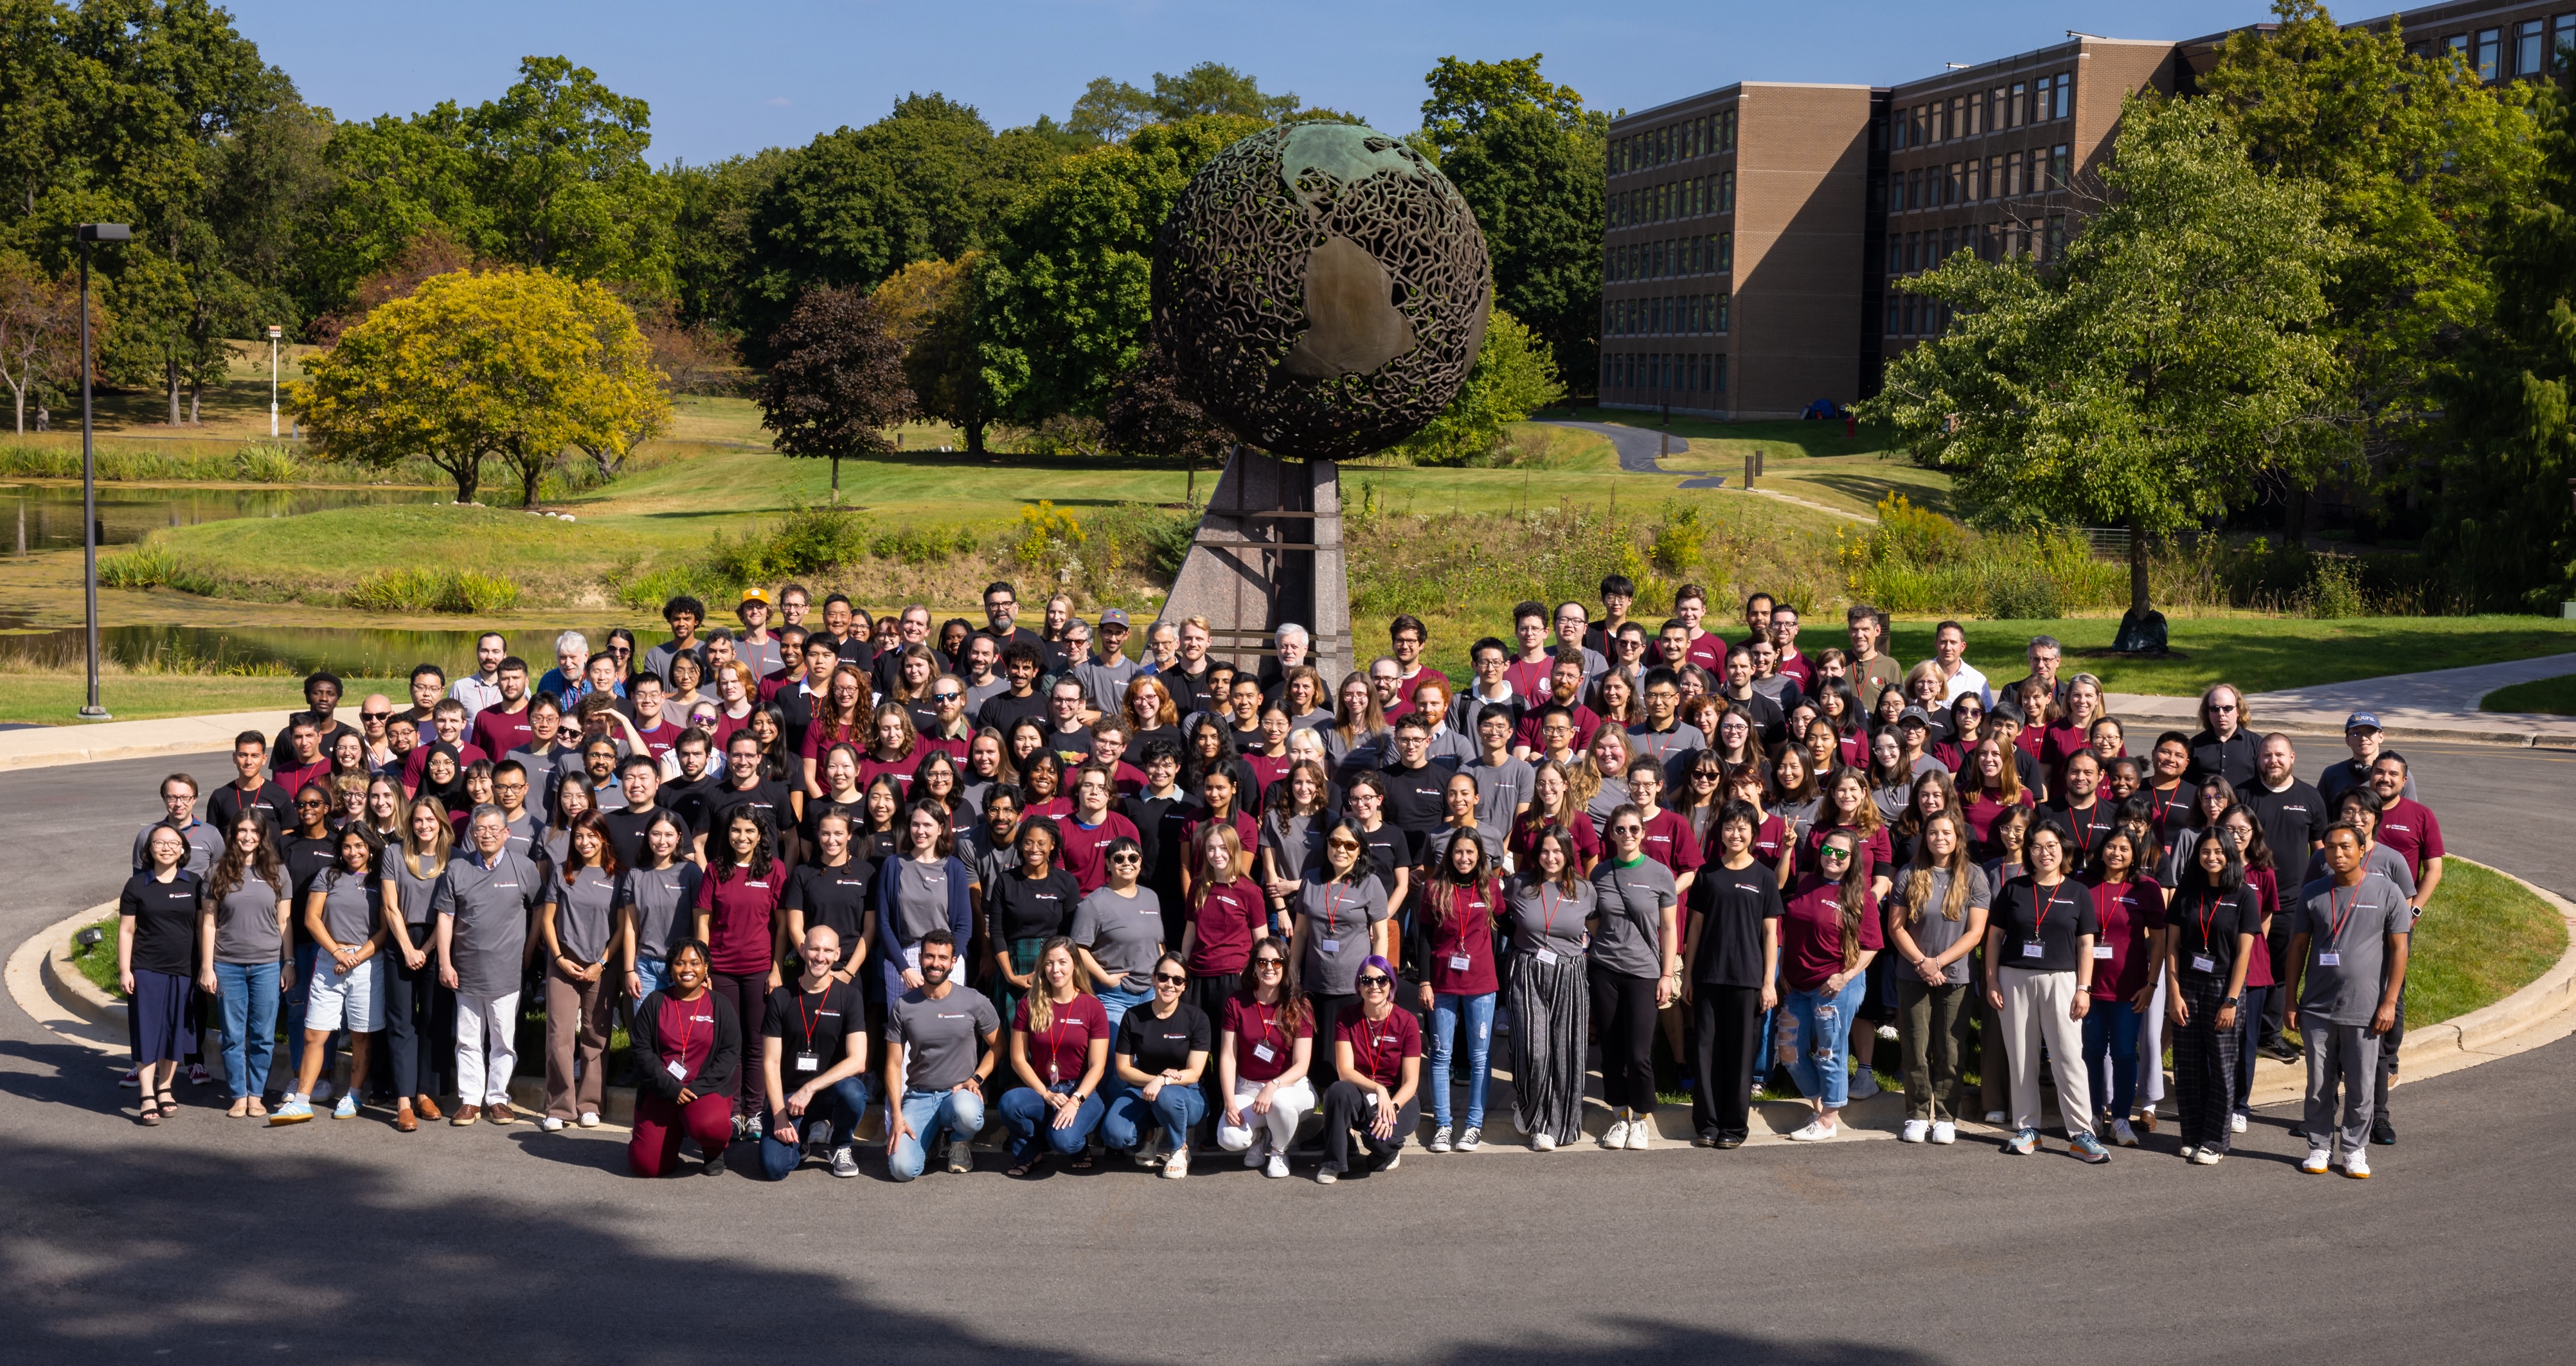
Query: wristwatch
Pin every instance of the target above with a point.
(2227, 1000)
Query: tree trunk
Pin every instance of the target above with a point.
(974, 436)
(21, 395)
(1190, 493)
(469, 478)
(530, 472)
(2137, 570)
(196, 396)
(836, 480)
(170, 369)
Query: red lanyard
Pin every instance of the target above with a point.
(686, 1020)
(2041, 924)
(1054, 1037)
(2334, 921)
(2208, 918)
(806, 1019)
(1547, 913)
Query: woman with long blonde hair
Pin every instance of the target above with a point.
(1936, 917)
(1059, 1049)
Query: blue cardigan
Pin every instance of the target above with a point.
(890, 946)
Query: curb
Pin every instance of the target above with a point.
(2181, 715)
(101, 741)
(2483, 1028)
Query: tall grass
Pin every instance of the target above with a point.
(464, 591)
(252, 463)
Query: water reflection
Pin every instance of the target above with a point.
(350, 652)
(48, 516)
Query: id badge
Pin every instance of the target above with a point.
(2201, 962)
(2101, 950)
(678, 1070)
(912, 958)
(807, 1062)
(1458, 962)
(2329, 960)
(1330, 947)
(1546, 957)
(2032, 948)
(1370, 1097)
(1262, 1051)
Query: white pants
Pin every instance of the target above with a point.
(2151, 1050)
(487, 1031)
(2035, 1006)
(1287, 1105)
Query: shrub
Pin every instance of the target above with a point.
(145, 566)
(462, 591)
(265, 464)
(2022, 597)
(1678, 539)
(2334, 588)
(1049, 539)
(923, 545)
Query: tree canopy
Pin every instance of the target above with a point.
(837, 381)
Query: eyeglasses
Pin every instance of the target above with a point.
(1374, 980)
(1126, 858)
(1268, 964)
(1170, 979)
(1843, 855)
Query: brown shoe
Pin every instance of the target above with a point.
(465, 1114)
(404, 1121)
(500, 1114)
(427, 1108)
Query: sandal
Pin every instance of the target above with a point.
(1029, 1164)
(169, 1104)
(1081, 1161)
(258, 1108)
(150, 1112)
(241, 1107)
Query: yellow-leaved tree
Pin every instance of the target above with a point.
(518, 366)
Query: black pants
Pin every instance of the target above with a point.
(1329, 1009)
(420, 1020)
(2388, 1043)
(1346, 1108)
(2275, 1002)
(1728, 1022)
(1623, 1019)
(2205, 1063)
(747, 995)
(1209, 993)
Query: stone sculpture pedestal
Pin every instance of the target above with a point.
(1269, 551)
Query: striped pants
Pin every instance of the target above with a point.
(1551, 1015)
(2204, 1062)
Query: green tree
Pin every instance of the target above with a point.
(1512, 375)
(929, 307)
(837, 381)
(711, 233)
(1149, 413)
(560, 167)
(2155, 373)
(1529, 160)
(1112, 110)
(513, 365)
(2414, 160)
(2503, 527)
(39, 331)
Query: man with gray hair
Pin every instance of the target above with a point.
(485, 900)
(2044, 654)
(572, 660)
(1295, 643)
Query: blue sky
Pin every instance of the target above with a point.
(725, 79)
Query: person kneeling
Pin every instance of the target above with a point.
(815, 1020)
(935, 1070)
(685, 1051)
(1059, 1048)
(1378, 1052)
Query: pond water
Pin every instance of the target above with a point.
(48, 516)
(351, 652)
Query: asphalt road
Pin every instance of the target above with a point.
(211, 1240)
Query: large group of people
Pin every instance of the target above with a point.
(1156, 906)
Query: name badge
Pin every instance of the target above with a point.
(912, 958)
(807, 1062)
(678, 1070)
(2201, 962)
(1545, 956)
(2329, 960)
(1329, 946)
(1371, 1098)
(2101, 950)
(2032, 948)
(1457, 962)
(1262, 1051)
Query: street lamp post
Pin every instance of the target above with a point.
(88, 233)
(274, 331)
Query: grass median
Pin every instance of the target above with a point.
(2541, 696)
(55, 699)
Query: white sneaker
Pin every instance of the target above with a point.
(1915, 1131)
(1393, 1160)
(1326, 1176)
(1439, 1139)
(1276, 1167)
(1945, 1131)
(2122, 1134)
(1864, 1084)
(198, 1075)
(2206, 1157)
(1816, 1132)
(1178, 1165)
(551, 1124)
(844, 1162)
(2356, 1166)
(1995, 1117)
(2189, 1152)
(2236, 1124)
(1617, 1135)
(2318, 1158)
(589, 1119)
(1472, 1139)
(321, 1091)
(1641, 1134)
(1542, 1143)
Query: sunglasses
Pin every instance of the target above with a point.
(946, 696)
(375, 715)
(1270, 964)
(1373, 980)
(1832, 853)
(1126, 858)
(315, 804)
(1171, 979)
(1341, 844)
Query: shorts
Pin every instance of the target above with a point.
(355, 1002)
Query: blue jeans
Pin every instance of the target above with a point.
(1118, 1003)
(1446, 1009)
(250, 1023)
(840, 1106)
(1827, 1078)
(1028, 1116)
(2112, 1026)
(1176, 1107)
(653, 973)
(929, 1114)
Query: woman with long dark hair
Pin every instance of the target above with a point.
(2131, 909)
(156, 962)
(1634, 972)
(1060, 1051)
(1550, 903)
(2039, 977)
(1462, 901)
(1341, 919)
(344, 913)
(737, 918)
(244, 951)
(2213, 932)
(1265, 1046)
(1732, 967)
(840, 718)
(580, 935)
(1936, 916)
(1828, 935)
(686, 1059)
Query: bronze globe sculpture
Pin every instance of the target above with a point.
(1321, 289)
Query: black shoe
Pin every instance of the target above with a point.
(2282, 1052)
(1729, 1142)
(2382, 1132)
(714, 1165)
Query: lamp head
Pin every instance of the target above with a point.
(105, 232)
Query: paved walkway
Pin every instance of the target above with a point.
(2441, 704)
(1638, 448)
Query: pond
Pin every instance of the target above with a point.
(47, 516)
(351, 652)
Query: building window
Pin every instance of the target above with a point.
(1726, 251)
(2490, 54)
(2061, 167)
(1729, 136)
(2056, 238)
(1895, 253)
(2017, 112)
(2065, 100)
(1895, 308)
(1726, 192)
(1721, 372)
(1994, 177)
(1914, 188)
(1724, 306)
(2526, 48)
(1974, 108)
(1954, 187)
(2562, 32)
(1941, 130)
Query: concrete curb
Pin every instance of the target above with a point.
(49, 746)
(2179, 713)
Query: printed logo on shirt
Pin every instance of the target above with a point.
(756, 883)
(943, 1015)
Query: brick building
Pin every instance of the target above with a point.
(1753, 230)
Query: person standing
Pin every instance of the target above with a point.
(1829, 932)
(923, 887)
(737, 918)
(814, 1062)
(1462, 902)
(2224, 747)
(2130, 909)
(245, 955)
(2408, 827)
(420, 1013)
(657, 902)
(1341, 918)
(1264, 1050)
(580, 936)
(2039, 975)
(1635, 971)
(1550, 903)
(1936, 917)
(1377, 1050)
(2212, 931)
(1228, 915)
(2347, 973)
(156, 962)
(485, 901)
(344, 912)
(941, 1044)
(1733, 963)
(685, 1050)
(1118, 932)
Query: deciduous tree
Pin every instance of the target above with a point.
(39, 330)
(836, 383)
(1513, 374)
(1150, 413)
(929, 307)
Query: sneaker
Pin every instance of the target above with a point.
(1144, 1156)
(1945, 1131)
(1178, 1164)
(713, 1165)
(2206, 1157)
(754, 1127)
(2088, 1149)
(1391, 1161)
(294, 1109)
(844, 1162)
(1641, 1134)
(2356, 1165)
(961, 1158)
(2022, 1144)
(589, 1119)
(2122, 1134)
(2236, 1123)
(1255, 1155)
(1816, 1131)
(198, 1075)
(1864, 1084)
(1472, 1139)
(1542, 1143)
(1325, 1176)
(551, 1124)
(1915, 1131)
(1617, 1134)
(1439, 1140)
(2382, 1132)
(1276, 1168)
(321, 1091)
(346, 1109)
(2189, 1152)
(1995, 1117)
(2318, 1158)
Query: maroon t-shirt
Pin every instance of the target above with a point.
(1257, 1031)
(1877, 851)
(1265, 771)
(1708, 652)
(1811, 932)
(1586, 724)
(1668, 842)
(1225, 919)
(1061, 1052)
(2126, 911)
(658, 739)
(687, 1030)
(1247, 832)
(498, 732)
(1528, 680)
(2409, 828)
(870, 766)
(1981, 811)
(466, 753)
(2267, 892)
(317, 773)
(1085, 851)
(1379, 1047)
(742, 913)
(1587, 841)
(1465, 933)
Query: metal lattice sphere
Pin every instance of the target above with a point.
(1321, 289)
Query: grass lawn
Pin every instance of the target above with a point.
(2482, 938)
(2554, 696)
(2258, 654)
(55, 698)
(98, 961)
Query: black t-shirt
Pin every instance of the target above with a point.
(271, 803)
(853, 649)
(767, 798)
(2050, 917)
(1417, 798)
(1735, 904)
(2231, 758)
(2089, 826)
(305, 859)
(1390, 848)
(690, 799)
(812, 1026)
(1002, 711)
(2206, 924)
(2292, 818)
(165, 921)
(837, 897)
(1017, 908)
(1076, 742)
(1162, 1045)
(626, 833)
(1158, 822)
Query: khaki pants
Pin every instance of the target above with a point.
(1932, 1029)
(576, 1018)
(2035, 1013)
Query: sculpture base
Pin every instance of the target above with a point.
(1268, 552)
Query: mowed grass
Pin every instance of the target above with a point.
(55, 699)
(2547, 696)
(2257, 654)
(2482, 938)
(97, 962)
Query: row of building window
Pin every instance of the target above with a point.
(1671, 315)
(1674, 199)
(1707, 135)
(1909, 316)
(2495, 55)
(1664, 372)
(1912, 316)
(1967, 116)
(1706, 254)
(2008, 176)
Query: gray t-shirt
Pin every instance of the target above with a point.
(584, 912)
(1501, 789)
(350, 903)
(1125, 933)
(1612, 796)
(663, 900)
(412, 895)
(2381, 859)
(1293, 841)
(2348, 931)
(1631, 901)
(1337, 916)
(920, 898)
(1104, 686)
(1544, 916)
(939, 1037)
(1936, 932)
(490, 907)
(246, 923)
(1664, 746)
